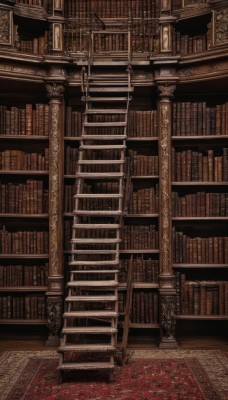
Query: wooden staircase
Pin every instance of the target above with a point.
(89, 334)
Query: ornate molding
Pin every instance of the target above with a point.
(220, 24)
(166, 90)
(5, 27)
(54, 151)
(54, 315)
(55, 89)
(165, 213)
(168, 317)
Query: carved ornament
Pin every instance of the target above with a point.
(166, 90)
(221, 26)
(54, 315)
(55, 89)
(24, 70)
(5, 27)
(168, 317)
(165, 215)
(54, 188)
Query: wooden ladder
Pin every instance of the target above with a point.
(89, 334)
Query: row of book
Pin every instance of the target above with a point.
(144, 201)
(110, 9)
(144, 237)
(199, 250)
(144, 307)
(19, 160)
(186, 44)
(25, 120)
(190, 165)
(200, 204)
(22, 307)
(69, 200)
(98, 204)
(27, 198)
(201, 297)
(143, 164)
(23, 242)
(198, 118)
(37, 45)
(143, 270)
(23, 275)
(142, 123)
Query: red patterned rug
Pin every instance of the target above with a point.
(149, 375)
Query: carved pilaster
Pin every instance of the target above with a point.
(220, 26)
(167, 284)
(168, 322)
(54, 317)
(55, 90)
(6, 26)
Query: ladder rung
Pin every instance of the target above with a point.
(94, 82)
(100, 162)
(95, 271)
(92, 298)
(110, 283)
(86, 347)
(100, 174)
(104, 124)
(85, 366)
(89, 251)
(96, 226)
(111, 89)
(102, 147)
(94, 241)
(93, 263)
(102, 212)
(104, 137)
(90, 329)
(111, 32)
(94, 313)
(98, 196)
(105, 99)
(105, 111)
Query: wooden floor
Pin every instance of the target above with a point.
(15, 338)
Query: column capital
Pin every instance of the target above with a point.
(166, 89)
(55, 89)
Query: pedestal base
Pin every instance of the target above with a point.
(53, 341)
(168, 343)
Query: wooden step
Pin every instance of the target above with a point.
(102, 147)
(94, 263)
(95, 240)
(98, 212)
(100, 162)
(86, 348)
(106, 175)
(90, 330)
(110, 283)
(94, 82)
(111, 89)
(90, 314)
(106, 111)
(96, 226)
(105, 124)
(101, 271)
(98, 299)
(85, 366)
(103, 137)
(89, 251)
(106, 99)
(98, 196)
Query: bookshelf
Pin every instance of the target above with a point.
(175, 220)
(24, 164)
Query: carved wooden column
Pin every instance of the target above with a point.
(6, 25)
(55, 90)
(57, 20)
(167, 283)
(166, 21)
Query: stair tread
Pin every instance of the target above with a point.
(111, 89)
(106, 111)
(89, 329)
(95, 162)
(103, 137)
(110, 283)
(102, 146)
(95, 240)
(96, 226)
(97, 195)
(94, 313)
(94, 263)
(95, 271)
(89, 251)
(91, 298)
(104, 124)
(101, 174)
(93, 212)
(85, 366)
(106, 99)
(86, 347)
